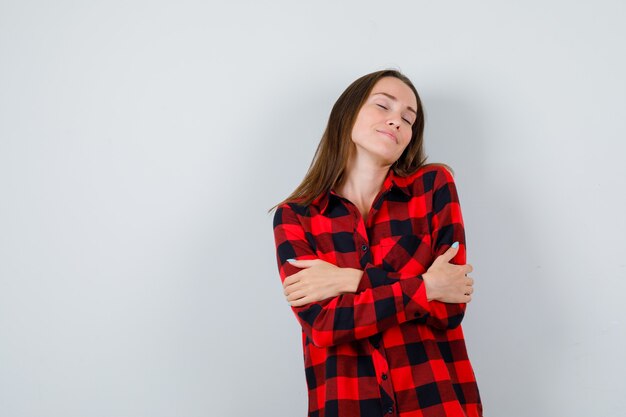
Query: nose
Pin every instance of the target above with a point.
(394, 123)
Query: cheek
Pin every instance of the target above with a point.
(354, 135)
(406, 136)
(357, 130)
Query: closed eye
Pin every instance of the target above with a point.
(381, 106)
(408, 121)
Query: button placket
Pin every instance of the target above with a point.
(381, 367)
(360, 237)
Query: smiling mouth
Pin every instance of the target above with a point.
(389, 135)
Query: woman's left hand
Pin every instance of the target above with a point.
(319, 280)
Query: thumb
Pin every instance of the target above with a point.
(450, 253)
(303, 263)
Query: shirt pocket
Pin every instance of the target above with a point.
(407, 254)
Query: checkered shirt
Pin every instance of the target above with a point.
(386, 349)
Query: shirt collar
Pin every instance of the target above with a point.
(392, 181)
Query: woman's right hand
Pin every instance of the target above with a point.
(448, 282)
(319, 280)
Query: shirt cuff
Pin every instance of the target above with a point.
(414, 297)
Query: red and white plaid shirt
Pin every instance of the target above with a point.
(384, 349)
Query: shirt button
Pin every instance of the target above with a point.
(364, 248)
(390, 410)
(384, 377)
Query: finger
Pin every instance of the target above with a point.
(296, 286)
(295, 295)
(290, 288)
(303, 263)
(291, 279)
(450, 253)
(300, 302)
(466, 268)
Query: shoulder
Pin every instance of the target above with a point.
(437, 170)
(289, 212)
(427, 178)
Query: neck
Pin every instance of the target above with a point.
(363, 181)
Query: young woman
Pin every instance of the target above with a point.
(371, 253)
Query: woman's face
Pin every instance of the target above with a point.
(382, 129)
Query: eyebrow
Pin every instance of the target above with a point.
(393, 98)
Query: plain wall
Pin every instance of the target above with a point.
(142, 143)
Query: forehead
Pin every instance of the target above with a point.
(396, 88)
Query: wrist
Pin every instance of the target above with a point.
(428, 284)
(351, 283)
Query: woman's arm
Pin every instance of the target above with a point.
(447, 227)
(319, 280)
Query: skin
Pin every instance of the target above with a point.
(381, 132)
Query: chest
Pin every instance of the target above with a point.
(395, 235)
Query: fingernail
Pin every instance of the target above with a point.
(291, 260)
(455, 245)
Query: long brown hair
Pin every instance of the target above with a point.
(331, 157)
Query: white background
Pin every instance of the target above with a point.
(142, 143)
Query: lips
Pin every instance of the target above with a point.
(389, 135)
